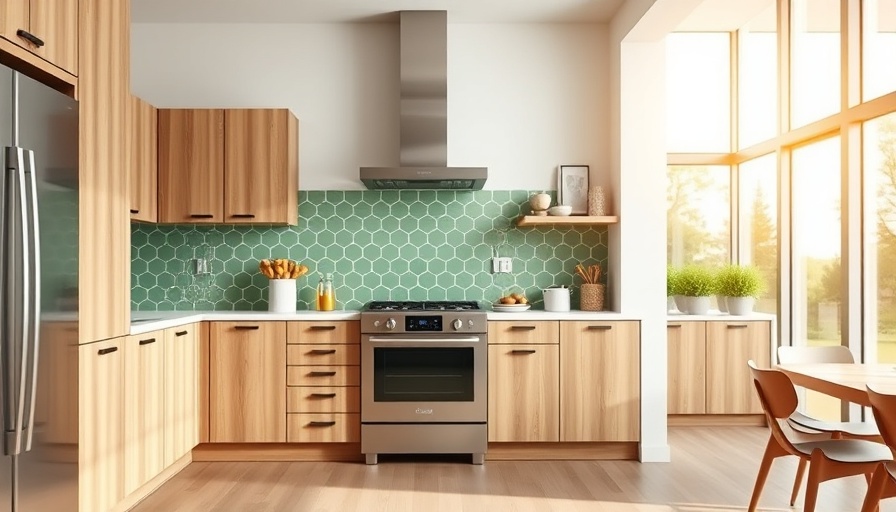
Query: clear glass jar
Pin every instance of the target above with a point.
(326, 294)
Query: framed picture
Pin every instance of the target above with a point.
(572, 187)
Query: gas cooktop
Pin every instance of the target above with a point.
(450, 305)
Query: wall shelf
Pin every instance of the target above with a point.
(571, 220)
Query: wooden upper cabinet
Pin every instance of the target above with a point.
(191, 163)
(144, 163)
(687, 367)
(54, 23)
(261, 166)
(228, 166)
(729, 345)
(600, 385)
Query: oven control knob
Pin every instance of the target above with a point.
(390, 324)
(376, 323)
(457, 324)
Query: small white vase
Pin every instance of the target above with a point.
(282, 295)
(698, 305)
(681, 303)
(740, 306)
(722, 301)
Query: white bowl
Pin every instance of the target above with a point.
(560, 211)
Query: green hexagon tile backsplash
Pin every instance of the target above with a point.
(381, 245)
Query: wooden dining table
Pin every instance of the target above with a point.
(844, 381)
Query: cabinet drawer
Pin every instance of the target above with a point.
(326, 333)
(323, 354)
(321, 399)
(323, 428)
(323, 376)
(523, 332)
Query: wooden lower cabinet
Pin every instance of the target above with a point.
(523, 393)
(143, 408)
(247, 382)
(686, 392)
(729, 385)
(101, 434)
(600, 397)
(181, 389)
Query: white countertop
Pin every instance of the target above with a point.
(146, 321)
(718, 316)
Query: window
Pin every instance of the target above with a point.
(815, 66)
(698, 219)
(758, 230)
(878, 47)
(758, 80)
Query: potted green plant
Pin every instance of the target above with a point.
(672, 288)
(698, 284)
(741, 285)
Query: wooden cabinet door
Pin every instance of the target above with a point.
(144, 164)
(181, 392)
(56, 23)
(523, 332)
(686, 392)
(523, 393)
(14, 16)
(143, 408)
(104, 224)
(191, 166)
(261, 166)
(101, 436)
(600, 397)
(247, 382)
(729, 345)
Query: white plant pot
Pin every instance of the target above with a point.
(698, 305)
(670, 304)
(282, 295)
(722, 301)
(740, 306)
(681, 303)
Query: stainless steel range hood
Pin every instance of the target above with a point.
(423, 138)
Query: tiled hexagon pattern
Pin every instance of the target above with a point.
(380, 244)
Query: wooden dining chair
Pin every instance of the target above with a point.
(806, 423)
(883, 483)
(828, 458)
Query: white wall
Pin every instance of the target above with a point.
(522, 99)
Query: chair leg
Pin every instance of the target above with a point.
(815, 469)
(798, 481)
(875, 489)
(771, 452)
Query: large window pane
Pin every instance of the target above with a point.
(698, 218)
(815, 60)
(759, 224)
(816, 254)
(698, 92)
(880, 238)
(879, 47)
(758, 79)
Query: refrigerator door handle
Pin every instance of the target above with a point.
(18, 267)
(33, 246)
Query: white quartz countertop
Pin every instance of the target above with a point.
(716, 316)
(146, 321)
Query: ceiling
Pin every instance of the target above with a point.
(343, 11)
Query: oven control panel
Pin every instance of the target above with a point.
(401, 322)
(421, 323)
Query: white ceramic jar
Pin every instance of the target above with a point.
(556, 299)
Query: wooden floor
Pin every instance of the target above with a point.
(712, 469)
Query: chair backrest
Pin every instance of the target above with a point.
(811, 355)
(778, 399)
(884, 408)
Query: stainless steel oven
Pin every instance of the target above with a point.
(424, 374)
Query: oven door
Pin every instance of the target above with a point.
(429, 378)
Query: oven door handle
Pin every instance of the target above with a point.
(442, 339)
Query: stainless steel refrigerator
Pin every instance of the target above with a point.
(38, 296)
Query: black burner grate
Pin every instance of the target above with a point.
(447, 305)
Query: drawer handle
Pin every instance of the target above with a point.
(674, 326)
(321, 423)
(31, 38)
(736, 326)
(104, 351)
(599, 327)
(202, 216)
(134, 212)
(323, 327)
(522, 327)
(322, 374)
(323, 395)
(243, 215)
(522, 351)
(321, 352)
(180, 333)
(147, 341)
(247, 327)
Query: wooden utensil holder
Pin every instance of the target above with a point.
(592, 297)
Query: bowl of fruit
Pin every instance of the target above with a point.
(512, 302)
